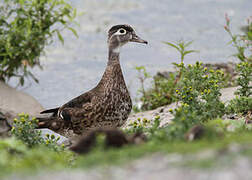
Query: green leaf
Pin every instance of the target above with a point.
(60, 37)
(74, 13)
(182, 46)
(172, 45)
(230, 42)
(139, 68)
(74, 31)
(190, 51)
(188, 43)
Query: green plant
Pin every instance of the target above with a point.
(227, 126)
(24, 129)
(52, 142)
(181, 46)
(139, 125)
(161, 93)
(241, 104)
(245, 78)
(200, 89)
(163, 89)
(199, 94)
(144, 125)
(143, 75)
(26, 27)
(243, 45)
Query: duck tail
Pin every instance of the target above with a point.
(54, 111)
(51, 121)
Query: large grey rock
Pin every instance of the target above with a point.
(18, 102)
(6, 119)
(13, 102)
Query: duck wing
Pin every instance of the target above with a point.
(63, 116)
(77, 102)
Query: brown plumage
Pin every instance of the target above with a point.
(106, 105)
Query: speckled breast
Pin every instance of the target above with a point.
(117, 107)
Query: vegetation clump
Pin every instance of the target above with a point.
(161, 94)
(26, 27)
(197, 88)
(163, 91)
(24, 129)
(243, 45)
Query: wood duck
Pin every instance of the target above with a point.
(106, 105)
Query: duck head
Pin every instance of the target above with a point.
(120, 35)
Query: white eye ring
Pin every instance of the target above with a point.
(121, 31)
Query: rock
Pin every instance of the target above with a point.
(6, 119)
(4, 126)
(163, 112)
(228, 93)
(17, 102)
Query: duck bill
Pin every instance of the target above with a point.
(137, 39)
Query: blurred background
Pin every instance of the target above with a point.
(77, 66)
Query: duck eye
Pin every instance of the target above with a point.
(122, 31)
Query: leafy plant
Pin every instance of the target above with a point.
(241, 104)
(243, 45)
(199, 94)
(184, 119)
(143, 75)
(140, 125)
(163, 89)
(161, 93)
(181, 46)
(26, 27)
(24, 129)
(200, 89)
(245, 78)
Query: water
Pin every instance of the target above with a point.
(77, 66)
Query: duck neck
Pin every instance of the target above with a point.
(113, 57)
(113, 74)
